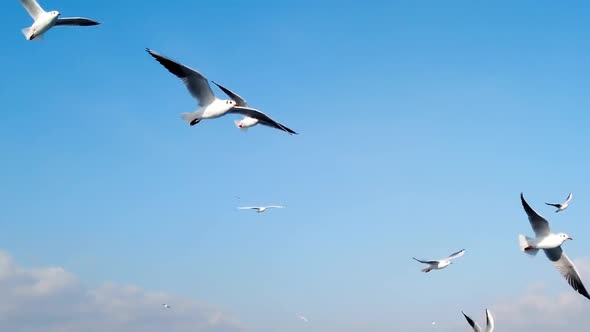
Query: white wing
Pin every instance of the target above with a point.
(489, 321)
(33, 8)
(457, 254)
(539, 224)
(569, 198)
(248, 208)
(195, 82)
(567, 269)
(473, 324)
(274, 207)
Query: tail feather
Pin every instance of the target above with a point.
(524, 243)
(188, 116)
(27, 32)
(237, 122)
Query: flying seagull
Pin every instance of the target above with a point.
(475, 326)
(47, 20)
(165, 306)
(303, 319)
(441, 264)
(564, 205)
(247, 121)
(210, 107)
(551, 244)
(261, 209)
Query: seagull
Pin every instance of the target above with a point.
(475, 326)
(441, 264)
(210, 107)
(564, 205)
(165, 306)
(551, 244)
(303, 319)
(261, 209)
(247, 121)
(47, 20)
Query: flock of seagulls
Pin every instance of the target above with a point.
(212, 107)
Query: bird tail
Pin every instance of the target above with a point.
(426, 270)
(188, 116)
(237, 122)
(525, 246)
(28, 32)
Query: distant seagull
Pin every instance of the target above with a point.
(165, 306)
(210, 107)
(303, 319)
(440, 264)
(247, 121)
(261, 209)
(551, 244)
(433, 323)
(564, 205)
(475, 326)
(47, 20)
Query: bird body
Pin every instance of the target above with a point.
(551, 244)
(43, 21)
(564, 205)
(441, 263)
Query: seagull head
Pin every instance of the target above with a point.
(55, 13)
(564, 237)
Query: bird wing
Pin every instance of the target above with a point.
(262, 118)
(471, 322)
(539, 224)
(567, 269)
(234, 96)
(489, 321)
(272, 124)
(569, 198)
(248, 208)
(425, 262)
(274, 207)
(552, 204)
(457, 254)
(76, 21)
(33, 8)
(195, 82)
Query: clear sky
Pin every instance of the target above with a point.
(420, 124)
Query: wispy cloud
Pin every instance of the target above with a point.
(51, 299)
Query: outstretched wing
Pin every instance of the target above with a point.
(248, 208)
(471, 322)
(262, 118)
(489, 321)
(275, 207)
(539, 224)
(234, 96)
(425, 262)
(457, 254)
(567, 269)
(33, 8)
(76, 21)
(569, 198)
(195, 82)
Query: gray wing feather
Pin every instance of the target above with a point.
(76, 21)
(471, 322)
(567, 269)
(424, 262)
(234, 96)
(539, 224)
(262, 118)
(32, 8)
(196, 83)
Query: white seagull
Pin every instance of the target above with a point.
(210, 107)
(247, 121)
(564, 205)
(475, 326)
(261, 209)
(303, 319)
(165, 306)
(47, 20)
(441, 264)
(551, 244)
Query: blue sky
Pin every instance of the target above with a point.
(420, 124)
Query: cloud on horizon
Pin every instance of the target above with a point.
(51, 299)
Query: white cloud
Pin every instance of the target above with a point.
(52, 299)
(540, 310)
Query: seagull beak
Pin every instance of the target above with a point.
(569, 238)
